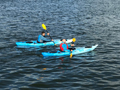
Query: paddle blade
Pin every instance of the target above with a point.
(71, 55)
(74, 39)
(44, 27)
(44, 68)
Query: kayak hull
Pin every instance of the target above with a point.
(78, 50)
(35, 44)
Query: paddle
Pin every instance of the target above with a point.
(44, 27)
(74, 39)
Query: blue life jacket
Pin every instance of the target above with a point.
(39, 38)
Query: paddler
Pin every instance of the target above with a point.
(64, 46)
(42, 39)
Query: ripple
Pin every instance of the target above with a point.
(89, 22)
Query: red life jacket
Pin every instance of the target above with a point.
(63, 46)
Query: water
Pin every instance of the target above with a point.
(89, 21)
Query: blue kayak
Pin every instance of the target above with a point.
(35, 44)
(78, 50)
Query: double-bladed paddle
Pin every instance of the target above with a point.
(74, 39)
(44, 27)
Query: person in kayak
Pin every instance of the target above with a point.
(42, 39)
(64, 46)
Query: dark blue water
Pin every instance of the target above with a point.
(89, 21)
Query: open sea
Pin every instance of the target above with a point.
(89, 21)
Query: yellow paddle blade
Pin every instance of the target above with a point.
(74, 39)
(44, 27)
(44, 68)
(71, 55)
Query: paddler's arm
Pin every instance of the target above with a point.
(46, 35)
(71, 47)
(45, 39)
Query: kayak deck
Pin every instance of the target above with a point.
(78, 50)
(34, 43)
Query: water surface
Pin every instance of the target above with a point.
(89, 21)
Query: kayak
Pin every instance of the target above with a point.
(35, 44)
(78, 50)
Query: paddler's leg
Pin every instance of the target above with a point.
(71, 48)
(38, 41)
(46, 41)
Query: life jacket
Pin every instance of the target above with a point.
(63, 46)
(39, 40)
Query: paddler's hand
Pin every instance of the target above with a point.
(48, 34)
(52, 40)
(72, 45)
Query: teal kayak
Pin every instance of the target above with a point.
(35, 44)
(78, 50)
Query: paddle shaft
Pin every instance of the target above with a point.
(50, 37)
(71, 49)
